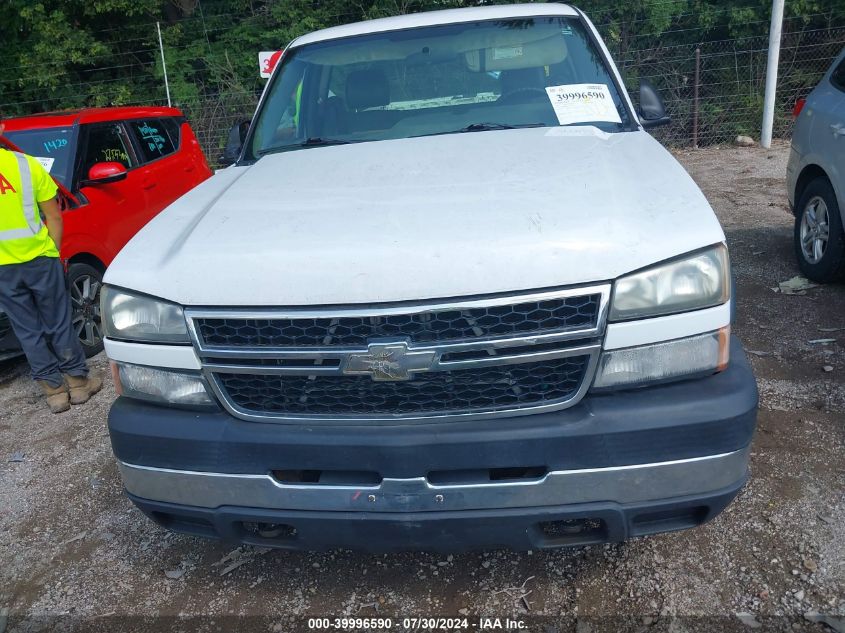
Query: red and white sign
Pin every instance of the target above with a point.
(267, 61)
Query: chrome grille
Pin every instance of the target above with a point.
(467, 358)
(480, 389)
(544, 315)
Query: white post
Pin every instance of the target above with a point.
(164, 64)
(772, 73)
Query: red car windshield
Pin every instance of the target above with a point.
(53, 146)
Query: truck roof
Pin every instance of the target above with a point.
(86, 115)
(434, 18)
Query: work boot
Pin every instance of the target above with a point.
(83, 387)
(57, 397)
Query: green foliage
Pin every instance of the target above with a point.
(69, 53)
(51, 51)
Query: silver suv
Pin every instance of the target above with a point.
(816, 178)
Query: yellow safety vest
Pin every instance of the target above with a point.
(23, 184)
(298, 103)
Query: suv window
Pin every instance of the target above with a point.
(156, 137)
(55, 147)
(838, 76)
(107, 143)
(173, 128)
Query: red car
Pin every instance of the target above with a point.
(118, 168)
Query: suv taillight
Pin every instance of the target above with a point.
(799, 105)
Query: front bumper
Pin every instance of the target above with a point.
(614, 466)
(545, 527)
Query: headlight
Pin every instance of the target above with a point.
(134, 317)
(159, 385)
(662, 362)
(699, 281)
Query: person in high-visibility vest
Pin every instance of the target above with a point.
(32, 282)
(289, 123)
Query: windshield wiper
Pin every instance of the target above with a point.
(484, 127)
(314, 141)
(318, 141)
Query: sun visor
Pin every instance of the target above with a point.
(376, 51)
(545, 52)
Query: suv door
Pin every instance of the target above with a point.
(827, 134)
(114, 210)
(163, 172)
(836, 127)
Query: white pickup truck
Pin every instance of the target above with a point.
(451, 295)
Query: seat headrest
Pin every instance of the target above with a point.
(367, 89)
(521, 78)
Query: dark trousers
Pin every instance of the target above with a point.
(34, 297)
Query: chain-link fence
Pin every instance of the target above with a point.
(713, 89)
(727, 99)
(728, 102)
(213, 117)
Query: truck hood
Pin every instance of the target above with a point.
(422, 218)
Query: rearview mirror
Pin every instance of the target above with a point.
(652, 111)
(105, 173)
(235, 142)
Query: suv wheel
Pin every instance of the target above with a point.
(819, 239)
(85, 282)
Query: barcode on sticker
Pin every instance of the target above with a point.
(507, 53)
(583, 103)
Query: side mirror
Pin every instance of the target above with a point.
(652, 112)
(235, 142)
(105, 173)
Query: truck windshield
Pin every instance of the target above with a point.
(488, 75)
(53, 147)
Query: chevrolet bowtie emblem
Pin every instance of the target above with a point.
(388, 361)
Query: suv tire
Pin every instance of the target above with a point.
(84, 284)
(818, 224)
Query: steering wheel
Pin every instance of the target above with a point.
(514, 95)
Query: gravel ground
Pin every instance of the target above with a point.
(75, 555)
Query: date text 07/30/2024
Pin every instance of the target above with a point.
(416, 624)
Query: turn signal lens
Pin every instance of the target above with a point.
(664, 362)
(162, 386)
(724, 348)
(115, 376)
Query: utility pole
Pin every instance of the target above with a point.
(772, 73)
(163, 64)
(695, 97)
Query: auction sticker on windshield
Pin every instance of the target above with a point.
(46, 162)
(583, 103)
